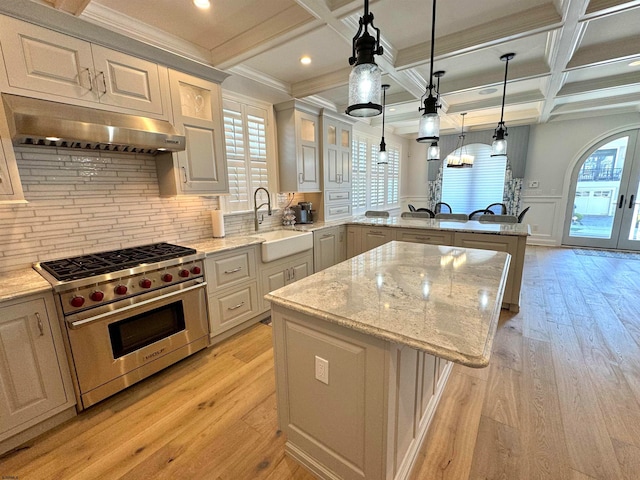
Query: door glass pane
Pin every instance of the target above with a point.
(634, 231)
(598, 190)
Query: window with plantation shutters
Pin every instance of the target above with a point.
(470, 189)
(359, 175)
(374, 187)
(245, 133)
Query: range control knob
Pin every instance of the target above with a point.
(77, 301)
(96, 296)
(145, 283)
(196, 270)
(121, 289)
(167, 277)
(183, 273)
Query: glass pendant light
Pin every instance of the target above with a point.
(429, 126)
(499, 146)
(365, 78)
(462, 159)
(433, 152)
(383, 156)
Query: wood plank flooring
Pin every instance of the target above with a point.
(560, 399)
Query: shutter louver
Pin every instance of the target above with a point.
(470, 189)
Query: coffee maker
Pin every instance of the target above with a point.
(303, 212)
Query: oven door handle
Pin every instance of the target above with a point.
(81, 323)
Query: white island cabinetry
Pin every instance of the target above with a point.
(363, 350)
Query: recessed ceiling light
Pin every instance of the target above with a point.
(635, 63)
(204, 4)
(306, 60)
(487, 91)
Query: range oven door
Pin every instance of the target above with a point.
(116, 348)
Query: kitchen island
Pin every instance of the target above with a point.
(363, 350)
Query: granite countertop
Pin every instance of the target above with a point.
(22, 283)
(469, 226)
(217, 245)
(442, 300)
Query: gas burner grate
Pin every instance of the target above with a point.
(84, 266)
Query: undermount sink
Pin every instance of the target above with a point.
(282, 243)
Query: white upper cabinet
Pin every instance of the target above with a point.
(41, 60)
(336, 146)
(197, 113)
(298, 127)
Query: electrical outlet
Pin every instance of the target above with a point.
(534, 184)
(322, 370)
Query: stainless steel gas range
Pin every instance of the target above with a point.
(128, 314)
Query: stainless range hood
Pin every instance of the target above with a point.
(34, 122)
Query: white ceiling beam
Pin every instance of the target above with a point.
(607, 52)
(496, 102)
(599, 84)
(276, 30)
(600, 8)
(561, 48)
(536, 20)
(598, 104)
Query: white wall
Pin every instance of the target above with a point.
(554, 150)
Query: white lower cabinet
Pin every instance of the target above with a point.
(34, 374)
(282, 272)
(232, 289)
(329, 247)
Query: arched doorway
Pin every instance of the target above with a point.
(603, 199)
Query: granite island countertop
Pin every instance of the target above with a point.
(442, 300)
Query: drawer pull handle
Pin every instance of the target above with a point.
(233, 271)
(90, 79)
(40, 325)
(236, 307)
(327, 235)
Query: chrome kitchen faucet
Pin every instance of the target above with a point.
(256, 206)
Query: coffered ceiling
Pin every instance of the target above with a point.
(573, 57)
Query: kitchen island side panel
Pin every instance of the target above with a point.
(369, 421)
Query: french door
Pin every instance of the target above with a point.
(603, 208)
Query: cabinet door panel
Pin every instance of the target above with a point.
(30, 374)
(300, 271)
(309, 166)
(126, 81)
(46, 61)
(372, 238)
(325, 250)
(233, 308)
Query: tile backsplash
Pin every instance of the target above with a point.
(85, 202)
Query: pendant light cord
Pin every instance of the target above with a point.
(384, 103)
(504, 90)
(433, 41)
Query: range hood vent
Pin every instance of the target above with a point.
(34, 122)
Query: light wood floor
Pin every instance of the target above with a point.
(560, 399)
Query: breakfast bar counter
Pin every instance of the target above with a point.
(363, 350)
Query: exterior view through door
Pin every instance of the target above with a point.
(603, 207)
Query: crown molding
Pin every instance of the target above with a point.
(260, 77)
